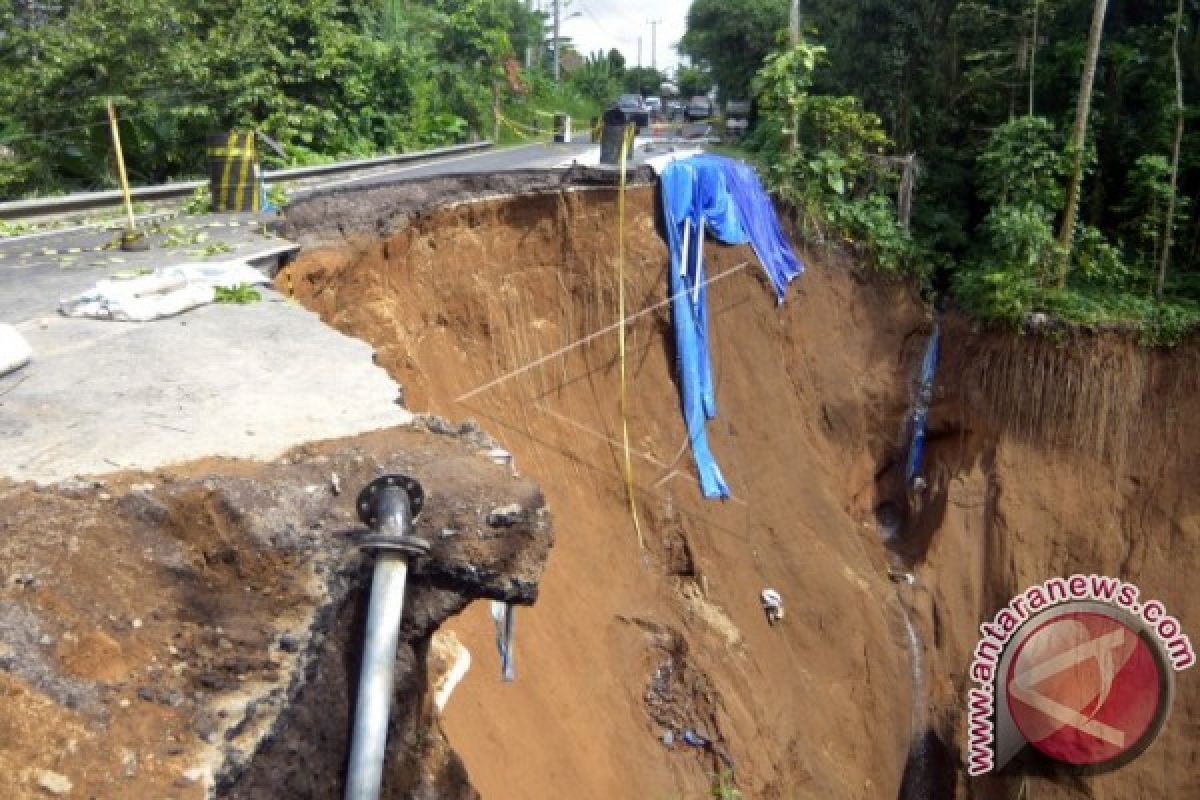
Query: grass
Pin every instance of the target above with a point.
(723, 788)
(538, 111)
(1166, 322)
(242, 294)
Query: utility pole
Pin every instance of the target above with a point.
(557, 22)
(1033, 52)
(654, 23)
(639, 52)
(533, 7)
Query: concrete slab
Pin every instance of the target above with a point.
(247, 381)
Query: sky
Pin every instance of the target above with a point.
(605, 24)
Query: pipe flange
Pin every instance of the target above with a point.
(410, 546)
(367, 498)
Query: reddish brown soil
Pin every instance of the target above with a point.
(156, 629)
(812, 400)
(816, 707)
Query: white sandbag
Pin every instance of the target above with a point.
(223, 274)
(14, 350)
(164, 293)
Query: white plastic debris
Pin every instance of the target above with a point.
(223, 274)
(53, 782)
(772, 603)
(14, 350)
(163, 293)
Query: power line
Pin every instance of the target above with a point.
(588, 11)
(96, 90)
(591, 337)
(596, 21)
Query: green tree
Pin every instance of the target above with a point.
(616, 62)
(595, 79)
(732, 39)
(693, 80)
(643, 80)
(326, 78)
(1176, 146)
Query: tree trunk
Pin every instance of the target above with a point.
(794, 28)
(1169, 223)
(1033, 46)
(1066, 235)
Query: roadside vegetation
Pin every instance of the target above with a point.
(1024, 156)
(325, 79)
(1036, 187)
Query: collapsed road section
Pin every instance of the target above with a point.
(654, 670)
(651, 666)
(196, 632)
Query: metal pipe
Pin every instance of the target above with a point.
(387, 505)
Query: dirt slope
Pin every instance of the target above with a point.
(817, 707)
(1036, 472)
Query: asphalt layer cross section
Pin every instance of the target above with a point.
(538, 155)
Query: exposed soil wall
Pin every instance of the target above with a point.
(812, 395)
(1053, 458)
(1045, 458)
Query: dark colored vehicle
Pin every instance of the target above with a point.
(737, 117)
(674, 109)
(634, 109)
(699, 107)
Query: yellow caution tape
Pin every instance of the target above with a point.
(626, 144)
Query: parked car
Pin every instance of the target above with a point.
(655, 106)
(699, 107)
(674, 109)
(634, 109)
(737, 117)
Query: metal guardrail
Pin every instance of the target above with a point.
(85, 201)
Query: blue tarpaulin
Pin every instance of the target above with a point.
(701, 195)
(758, 219)
(920, 413)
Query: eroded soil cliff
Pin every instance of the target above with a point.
(1045, 458)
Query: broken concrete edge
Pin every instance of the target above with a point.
(323, 215)
(286, 514)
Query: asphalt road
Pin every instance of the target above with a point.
(538, 155)
(243, 381)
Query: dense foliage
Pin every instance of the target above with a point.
(325, 78)
(984, 93)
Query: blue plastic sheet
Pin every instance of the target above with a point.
(920, 413)
(712, 195)
(761, 224)
(505, 617)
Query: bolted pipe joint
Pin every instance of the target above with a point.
(389, 506)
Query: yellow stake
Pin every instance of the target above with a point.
(116, 137)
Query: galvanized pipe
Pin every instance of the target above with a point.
(388, 505)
